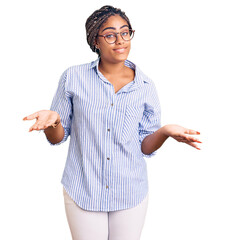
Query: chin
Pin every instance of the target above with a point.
(115, 57)
(120, 57)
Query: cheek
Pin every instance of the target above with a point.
(103, 45)
(129, 47)
(106, 48)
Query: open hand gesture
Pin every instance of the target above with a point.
(44, 119)
(182, 134)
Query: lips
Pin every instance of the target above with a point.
(120, 50)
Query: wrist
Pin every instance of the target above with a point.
(165, 130)
(55, 125)
(57, 122)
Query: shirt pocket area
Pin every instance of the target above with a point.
(132, 117)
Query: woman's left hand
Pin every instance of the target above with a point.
(182, 134)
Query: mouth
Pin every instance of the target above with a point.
(120, 50)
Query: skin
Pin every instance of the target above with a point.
(113, 55)
(112, 67)
(44, 121)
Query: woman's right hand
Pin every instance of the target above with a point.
(44, 119)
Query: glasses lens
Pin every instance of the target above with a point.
(127, 35)
(131, 34)
(110, 37)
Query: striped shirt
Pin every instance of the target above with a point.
(105, 168)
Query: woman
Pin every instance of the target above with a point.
(111, 111)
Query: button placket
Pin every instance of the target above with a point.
(109, 139)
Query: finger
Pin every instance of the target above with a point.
(31, 129)
(184, 137)
(194, 145)
(196, 140)
(41, 125)
(37, 126)
(188, 139)
(190, 131)
(192, 139)
(34, 127)
(31, 117)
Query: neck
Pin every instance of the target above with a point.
(111, 68)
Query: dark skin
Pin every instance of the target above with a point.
(126, 77)
(112, 67)
(113, 55)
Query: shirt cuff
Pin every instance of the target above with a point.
(141, 138)
(66, 134)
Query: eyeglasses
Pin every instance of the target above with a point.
(111, 37)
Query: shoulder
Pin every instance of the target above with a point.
(80, 68)
(75, 74)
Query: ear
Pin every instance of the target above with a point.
(96, 44)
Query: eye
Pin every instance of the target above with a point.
(125, 33)
(110, 35)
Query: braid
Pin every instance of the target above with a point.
(95, 21)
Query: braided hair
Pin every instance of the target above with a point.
(95, 21)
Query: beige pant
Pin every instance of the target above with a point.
(116, 225)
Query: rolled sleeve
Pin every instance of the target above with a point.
(151, 119)
(62, 104)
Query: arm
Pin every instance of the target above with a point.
(55, 122)
(154, 141)
(55, 135)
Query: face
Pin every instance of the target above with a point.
(119, 50)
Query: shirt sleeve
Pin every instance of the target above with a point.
(62, 104)
(151, 119)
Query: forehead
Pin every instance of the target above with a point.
(115, 22)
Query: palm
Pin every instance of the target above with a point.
(44, 119)
(182, 134)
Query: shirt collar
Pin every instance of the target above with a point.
(139, 79)
(94, 63)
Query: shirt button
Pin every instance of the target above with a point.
(111, 104)
(108, 158)
(107, 186)
(108, 129)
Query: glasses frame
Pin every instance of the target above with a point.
(116, 34)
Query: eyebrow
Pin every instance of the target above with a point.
(114, 28)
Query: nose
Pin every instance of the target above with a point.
(119, 39)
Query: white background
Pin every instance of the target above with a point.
(180, 45)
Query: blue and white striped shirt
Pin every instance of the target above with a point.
(105, 168)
